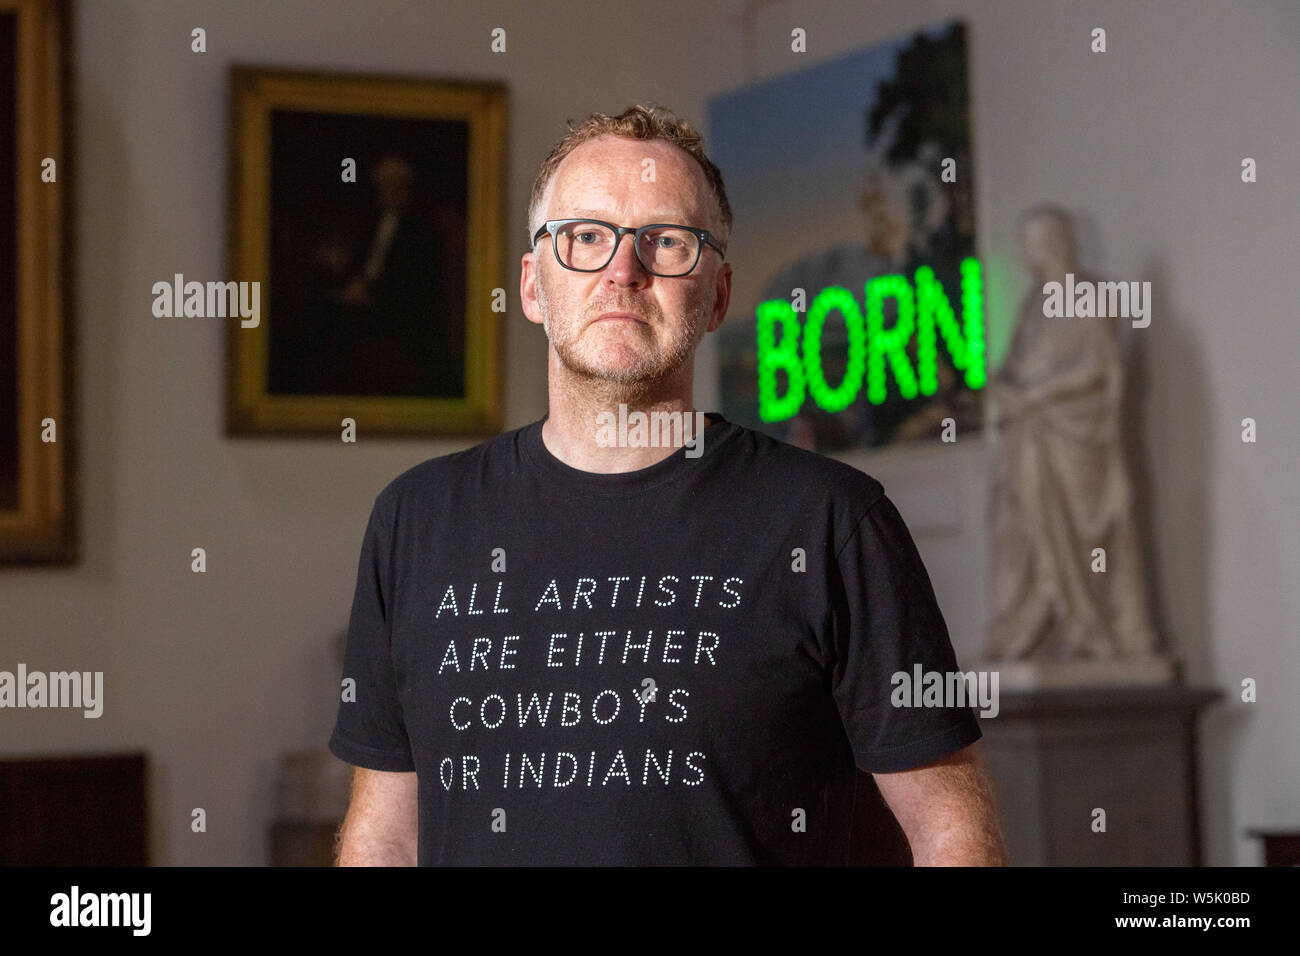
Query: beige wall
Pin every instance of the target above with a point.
(215, 675)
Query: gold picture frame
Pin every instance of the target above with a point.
(391, 326)
(37, 486)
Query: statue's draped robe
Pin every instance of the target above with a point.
(1061, 488)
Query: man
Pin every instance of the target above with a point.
(564, 650)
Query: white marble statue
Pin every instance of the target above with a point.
(1061, 487)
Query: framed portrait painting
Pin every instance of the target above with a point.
(36, 460)
(367, 240)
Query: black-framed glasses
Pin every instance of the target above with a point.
(663, 249)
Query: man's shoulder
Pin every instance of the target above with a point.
(443, 474)
(800, 471)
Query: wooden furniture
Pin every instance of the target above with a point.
(312, 790)
(1281, 847)
(73, 811)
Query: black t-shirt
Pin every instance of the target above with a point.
(676, 665)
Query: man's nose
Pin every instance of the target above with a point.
(625, 268)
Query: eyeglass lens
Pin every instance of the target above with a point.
(664, 250)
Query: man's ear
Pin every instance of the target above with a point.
(528, 289)
(723, 291)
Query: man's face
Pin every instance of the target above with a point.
(603, 179)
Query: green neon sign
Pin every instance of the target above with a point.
(874, 351)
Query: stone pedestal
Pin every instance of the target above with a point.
(1056, 755)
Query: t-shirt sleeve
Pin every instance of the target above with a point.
(888, 624)
(370, 730)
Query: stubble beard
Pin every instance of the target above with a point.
(643, 378)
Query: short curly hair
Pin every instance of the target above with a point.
(635, 122)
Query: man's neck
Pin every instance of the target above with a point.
(584, 417)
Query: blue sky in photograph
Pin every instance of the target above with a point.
(803, 121)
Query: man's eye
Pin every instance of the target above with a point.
(586, 238)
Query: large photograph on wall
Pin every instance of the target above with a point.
(856, 319)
